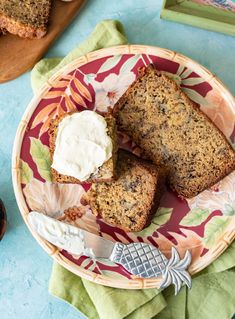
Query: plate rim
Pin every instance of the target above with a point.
(54, 252)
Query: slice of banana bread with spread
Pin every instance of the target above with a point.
(173, 131)
(130, 201)
(26, 18)
(106, 172)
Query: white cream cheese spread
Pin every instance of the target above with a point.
(82, 145)
(62, 235)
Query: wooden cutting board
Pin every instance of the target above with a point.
(18, 55)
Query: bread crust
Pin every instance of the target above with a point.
(20, 29)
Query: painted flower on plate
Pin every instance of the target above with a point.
(220, 198)
(223, 4)
(52, 199)
(61, 201)
(188, 240)
(219, 112)
(82, 218)
(111, 89)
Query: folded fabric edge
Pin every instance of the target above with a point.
(150, 309)
(125, 301)
(98, 39)
(68, 287)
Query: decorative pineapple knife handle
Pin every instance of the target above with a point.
(146, 261)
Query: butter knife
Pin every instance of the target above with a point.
(140, 259)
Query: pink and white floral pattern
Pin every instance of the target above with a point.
(52, 199)
(216, 109)
(221, 197)
(222, 4)
(111, 89)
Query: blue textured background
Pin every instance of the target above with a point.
(24, 266)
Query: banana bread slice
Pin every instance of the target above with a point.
(26, 18)
(131, 200)
(105, 173)
(3, 31)
(172, 130)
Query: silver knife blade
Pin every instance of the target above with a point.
(101, 247)
(70, 238)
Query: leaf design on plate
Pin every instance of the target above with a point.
(148, 231)
(113, 274)
(44, 113)
(46, 124)
(195, 217)
(68, 96)
(41, 157)
(77, 98)
(88, 261)
(192, 81)
(68, 77)
(106, 262)
(110, 63)
(161, 217)
(129, 64)
(47, 114)
(92, 266)
(53, 94)
(186, 73)
(61, 84)
(26, 172)
(194, 96)
(214, 229)
(174, 77)
(85, 262)
(82, 89)
(89, 78)
(180, 69)
(70, 106)
(229, 209)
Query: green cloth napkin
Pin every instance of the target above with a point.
(211, 296)
(107, 33)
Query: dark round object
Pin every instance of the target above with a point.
(3, 219)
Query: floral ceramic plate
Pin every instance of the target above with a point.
(222, 4)
(205, 225)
